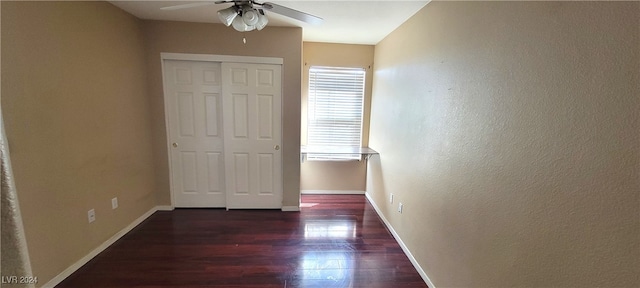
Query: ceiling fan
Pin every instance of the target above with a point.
(247, 15)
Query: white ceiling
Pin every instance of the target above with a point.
(354, 22)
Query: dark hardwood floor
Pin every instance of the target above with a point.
(335, 241)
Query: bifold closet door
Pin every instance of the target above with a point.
(252, 97)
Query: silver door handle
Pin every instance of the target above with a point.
(277, 147)
(175, 145)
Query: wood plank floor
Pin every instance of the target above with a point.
(335, 241)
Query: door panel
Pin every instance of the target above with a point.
(189, 172)
(215, 168)
(252, 104)
(193, 91)
(265, 117)
(240, 116)
(212, 102)
(185, 114)
(265, 174)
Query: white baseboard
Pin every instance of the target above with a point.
(333, 192)
(67, 272)
(290, 208)
(401, 243)
(165, 208)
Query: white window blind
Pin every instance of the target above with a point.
(335, 105)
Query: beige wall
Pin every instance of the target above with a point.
(84, 115)
(74, 98)
(509, 130)
(199, 38)
(322, 175)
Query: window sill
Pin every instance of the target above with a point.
(335, 153)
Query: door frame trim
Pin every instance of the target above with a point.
(221, 58)
(201, 58)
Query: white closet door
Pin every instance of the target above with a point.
(252, 99)
(194, 111)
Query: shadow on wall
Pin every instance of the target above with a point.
(376, 189)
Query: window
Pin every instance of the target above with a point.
(336, 98)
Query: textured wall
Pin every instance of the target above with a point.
(322, 175)
(14, 259)
(510, 131)
(75, 106)
(199, 38)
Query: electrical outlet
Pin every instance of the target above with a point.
(92, 215)
(391, 198)
(400, 207)
(114, 203)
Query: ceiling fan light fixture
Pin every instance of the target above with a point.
(228, 15)
(262, 20)
(245, 17)
(239, 25)
(250, 16)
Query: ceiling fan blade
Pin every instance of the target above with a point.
(292, 13)
(190, 5)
